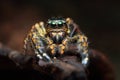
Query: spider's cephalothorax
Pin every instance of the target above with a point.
(57, 36)
(57, 29)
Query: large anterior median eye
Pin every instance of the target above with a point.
(56, 23)
(60, 24)
(53, 24)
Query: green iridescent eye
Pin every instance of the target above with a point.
(59, 22)
(53, 23)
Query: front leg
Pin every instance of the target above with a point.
(82, 45)
(79, 41)
(37, 42)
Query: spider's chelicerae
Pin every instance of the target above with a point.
(56, 37)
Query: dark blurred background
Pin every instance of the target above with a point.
(99, 20)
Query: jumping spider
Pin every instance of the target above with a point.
(56, 37)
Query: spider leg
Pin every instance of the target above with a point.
(39, 47)
(82, 45)
(39, 41)
(79, 39)
(40, 52)
(26, 46)
(36, 41)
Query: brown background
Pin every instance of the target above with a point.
(99, 20)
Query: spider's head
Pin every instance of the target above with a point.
(57, 29)
(57, 24)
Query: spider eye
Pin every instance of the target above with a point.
(53, 24)
(56, 23)
(60, 24)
